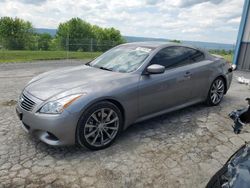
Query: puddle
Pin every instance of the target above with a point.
(9, 103)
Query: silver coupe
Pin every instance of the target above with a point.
(90, 105)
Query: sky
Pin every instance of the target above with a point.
(195, 20)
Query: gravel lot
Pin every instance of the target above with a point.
(180, 149)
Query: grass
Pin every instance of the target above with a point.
(228, 57)
(7, 56)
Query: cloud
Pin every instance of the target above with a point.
(235, 20)
(34, 2)
(189, 3)
(200, 20)
(153, 2)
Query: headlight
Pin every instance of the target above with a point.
(57, 107)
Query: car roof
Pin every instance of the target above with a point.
(157, 44)
(154, 44)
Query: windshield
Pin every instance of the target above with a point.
(122, 59)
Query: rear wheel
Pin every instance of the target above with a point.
(99, 126)
(216, 92)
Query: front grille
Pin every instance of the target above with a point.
(26, 103)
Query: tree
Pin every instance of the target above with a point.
(223, 52)
(76, 34)
(106, 38)
(44, 41)
(15, 33)
(175, 41)
(72, 32)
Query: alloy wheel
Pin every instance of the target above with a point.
(101, 127)
(217, 91)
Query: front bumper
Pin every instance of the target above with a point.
(56, 130)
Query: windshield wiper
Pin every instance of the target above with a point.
(104, 68)
(88, 63)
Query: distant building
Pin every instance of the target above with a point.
(242, 51)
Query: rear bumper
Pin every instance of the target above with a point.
(229, 77)
(56, 130)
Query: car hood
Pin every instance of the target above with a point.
(52, 83)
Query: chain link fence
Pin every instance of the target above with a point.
(89, 45)
(68, 46)
(54, 48)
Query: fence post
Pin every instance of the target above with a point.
(91, 45)
(67, 45)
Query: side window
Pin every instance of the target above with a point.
(197, 56)
(177, 56)
(170, 56)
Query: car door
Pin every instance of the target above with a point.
(201, 73)
(158, 92)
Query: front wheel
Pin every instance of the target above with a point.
(216, 92)
(99, 126)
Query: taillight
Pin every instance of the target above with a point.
(232, 67)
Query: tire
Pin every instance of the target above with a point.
(99, 126)
(216, 92)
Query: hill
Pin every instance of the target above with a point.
(52, 32)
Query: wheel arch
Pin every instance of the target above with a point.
(208, 100)
(224, 80)
(111, 100)
(119, 105)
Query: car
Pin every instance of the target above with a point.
(91, 104)
(235, 173)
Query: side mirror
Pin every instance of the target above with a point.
(155, 69)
